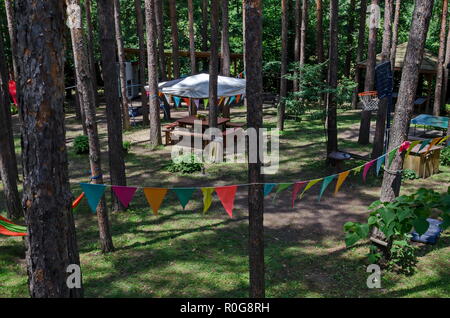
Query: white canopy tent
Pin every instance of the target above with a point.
(197, 86)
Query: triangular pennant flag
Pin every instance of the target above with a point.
(94, 193)
(232, 99)
(124, 194)
(442, 140)
(282, 187)
(392, 156)
(296, 189)
(357, 170)
(77, 201)
(424, 144)
(226, 100)
(177, 100)
(380, 161)
(226, 196)
(205, 102)
(433, 142)
(184, 195)
(309, 185)
(238, 98)
(187, 101)
(197, 102)
(168, 98)
(221, 100)
(367, 167)
(325, 183)
(268, 187)
(207, 198)
(411, 147)
(155, 197)
(340, 180)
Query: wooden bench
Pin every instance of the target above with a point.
(167, 130)
(339, 157)
(234, 125)
(269, 98)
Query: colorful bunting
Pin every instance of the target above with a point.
(226, 196)
(197, 103)
(424, 144)
(268, 187)
(232, 99)
(205, 102)
(405, 145)
(442, 140)
(325, 183)
(177, 101)
(124, 194)
(94, 193)
(296, 189)
(340, 180)
(309, 185)
(207, 198)
(380, 161)
(184, 195)
(168, 98)
(411, 147)
(155, 197)
(187, 101)
(392, 156)
(433, 142)
(357, 170)
(238, 98)
(77, 201)
(367, 166)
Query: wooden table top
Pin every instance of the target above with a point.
(190, 121)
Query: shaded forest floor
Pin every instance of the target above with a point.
(188, 254)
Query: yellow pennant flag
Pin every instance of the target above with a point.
(411, 147)
(442, 140)
(309, 185)
(341, 179)
(207, 198)
(357, 170)
(155, 197)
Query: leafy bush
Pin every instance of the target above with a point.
(187, 163)
(445, 156)
(126, 146)
(81, 145)
(396, 220)
(409, 174)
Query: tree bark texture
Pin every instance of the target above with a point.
(297, 13)
(349, 37)
(175, 45)
(51, 241)
(192, 38)
(283, 81)
(214, 64)
(90, 47)
(159, 18)
(360, 48)
(441, 59)
(225, 40)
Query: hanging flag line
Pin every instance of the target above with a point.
(227, 193)
(225, 100)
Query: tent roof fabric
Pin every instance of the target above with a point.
(429, 62)
(197, 86)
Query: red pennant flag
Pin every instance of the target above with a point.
(187, 101)
(124, 194)
(296, 189)
(226, 196)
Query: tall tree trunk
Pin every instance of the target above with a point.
(205, 20)
(303, 32)
(225, 40)
(349, 37)
(142, 51)
(332, 141)
(283, 80)
(214, 64)
(395, 33)
(440, 64)
(175, 46)
(192, 38)
(113, 109)
(369, 84)
(446, 71)
(122, 73)
(8, 166)
(380, 128)
(90, 47)
(360, 48)
(85, 90)
(155, 125)
(51, 241)
(159, 18)
(9, 8)
(297, 13)
(319, 29)
(390, 188)
(254, 89)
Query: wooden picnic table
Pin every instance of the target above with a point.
(189, 121)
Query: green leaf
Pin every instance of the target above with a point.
(421, 225)
(446, 222)
(351, 239)
(387, 215)
(363, 230)
(405, 213)
(372, 220)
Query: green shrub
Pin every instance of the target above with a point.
(81, 145)
(396, 220)
(409, 174)
(445, 156)
(126, 146)
(187, 163)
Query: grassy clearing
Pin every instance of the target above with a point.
(186, 254)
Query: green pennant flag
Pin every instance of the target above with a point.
(94, 193)
(325, 183)
(205, 102)
(184, 195)
(392, 156)
(282, 187)
(411, 147)
(357, 170)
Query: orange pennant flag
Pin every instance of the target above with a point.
(341, 179)
(155, 197)
(433, 142)
(238, 98)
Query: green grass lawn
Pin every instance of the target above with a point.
(187, 254)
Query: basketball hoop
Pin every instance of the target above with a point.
(369, 100)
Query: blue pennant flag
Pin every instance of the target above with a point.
(184, 195)
(177, 100)
(325, 183)
(268, 187)
(380, 161)
(424, 144)
(232, 99)
(94, 193)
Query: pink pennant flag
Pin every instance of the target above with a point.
(296, 189)
(226, 196)
(124, 194)
(367, 167)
